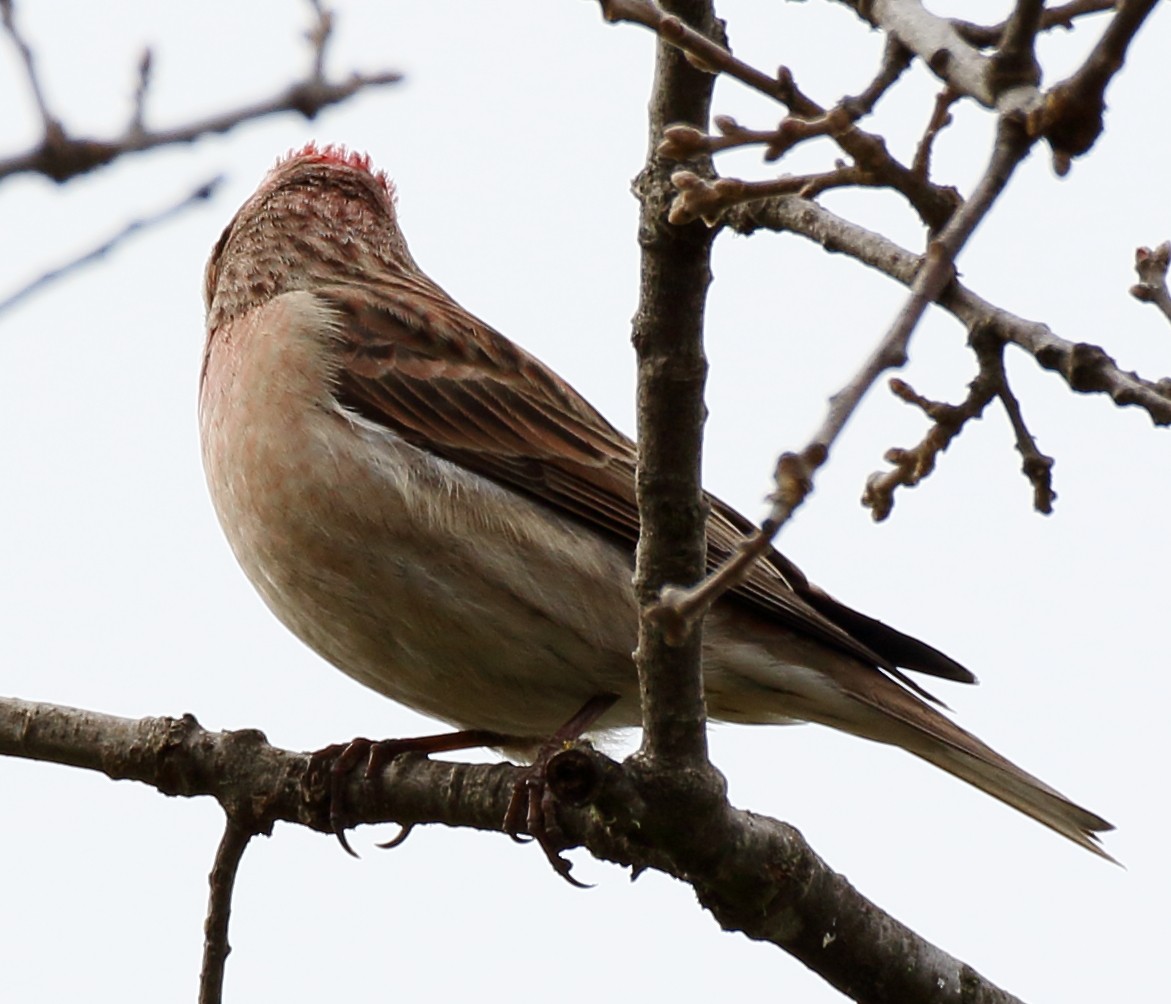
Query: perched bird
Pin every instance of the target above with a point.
(443, 518)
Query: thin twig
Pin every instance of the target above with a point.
(1035, 465)
(681, 142)
(201, 194)
(138, 115)
(910, 466)
(794, 474)
(940, 120)
(896, 59)
(319, 36)
(933, 204)
(699, 198)
(1151, 266)
(49, 122)
(61, 156)
(1062, 16)
(702, 52)
(936, 42)
(219, 908)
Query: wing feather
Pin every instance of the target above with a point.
(418, 364)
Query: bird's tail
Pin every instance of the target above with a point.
(871, 704)
(981, 766)
(903, 720)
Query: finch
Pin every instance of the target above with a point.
(442, 517)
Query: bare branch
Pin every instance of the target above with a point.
(1035, 465)
(219, 908)
(1086, 368)
(319, 36)
(672, 371)
(708, 200)
(702, 52)
(49, 124)
(61, 156)
(1015, 60)
(681, 142)
(1151, 266)
(940, 120)
(1062, 16)
(933, 204)
(912, 465)
(201, 194)
(794, 473)
(1071, 119)
(945, 52)
(753, 873)
(896, 59)
(138, 116)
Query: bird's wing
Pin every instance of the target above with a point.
(416, 363)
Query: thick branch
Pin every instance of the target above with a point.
(947, 53)
(753, 873)
(1071, 119)
(1015, 59)
(672, 369)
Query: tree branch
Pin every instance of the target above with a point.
(1086, 368)
(1151, 266)
(61, 156)
(795, 471)
(221, 882)
(1061, 16)
(1071, 118)
(672, 369)
(933, 203)
(945, 52)
(912, 465)
(754, 874)
(1015, 61)
(201, 194)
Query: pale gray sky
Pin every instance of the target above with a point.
(513, 142)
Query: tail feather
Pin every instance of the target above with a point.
(985, 769)
(884, 711)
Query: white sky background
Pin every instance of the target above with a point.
(513, 142)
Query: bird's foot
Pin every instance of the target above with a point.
(340, 760)
(533, 803)
(531, 814)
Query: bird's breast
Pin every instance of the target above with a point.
(427, 582)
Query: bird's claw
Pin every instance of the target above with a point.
(340, 760)
(533, 804)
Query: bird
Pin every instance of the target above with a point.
(443, 518)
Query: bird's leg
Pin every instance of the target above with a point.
(533, 804)
(342, 758)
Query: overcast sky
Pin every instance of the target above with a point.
(513, 142)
